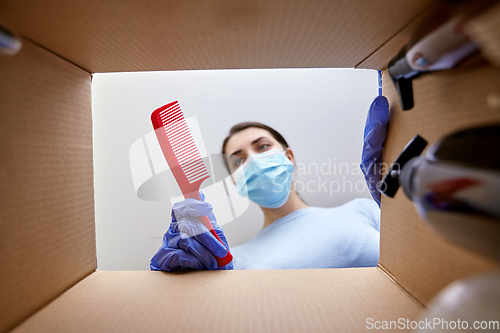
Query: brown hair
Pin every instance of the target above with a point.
(244, 125)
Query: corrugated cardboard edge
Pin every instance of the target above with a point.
(390, 277)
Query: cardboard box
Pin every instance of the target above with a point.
(49, 282)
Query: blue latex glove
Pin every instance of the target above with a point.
(187, 244)
(374, 137)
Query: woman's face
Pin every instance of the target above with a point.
(249, 141)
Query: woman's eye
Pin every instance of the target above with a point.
(238, 162)
(263, 146)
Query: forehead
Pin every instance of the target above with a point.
(245, 137)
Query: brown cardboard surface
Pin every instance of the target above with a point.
(419, 259)
(46, 181)
(118, 36)
(485, 30)
(317, 300)
(381, 57)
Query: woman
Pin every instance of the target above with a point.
(294, 235)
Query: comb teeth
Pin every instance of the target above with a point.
(182, 143)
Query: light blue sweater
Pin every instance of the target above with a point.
(314, 237)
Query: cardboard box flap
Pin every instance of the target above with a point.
(483, 27)
(316, 300)
(117, 36)
(46, 181)
(485, 30)
(381, 57)
(418, 258)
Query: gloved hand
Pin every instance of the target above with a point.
(188, 244)
(374, 137)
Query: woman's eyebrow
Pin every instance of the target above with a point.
(235, 153)
(253, 142)
(257, 140)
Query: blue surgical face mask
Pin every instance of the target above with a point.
(265, 178)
